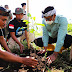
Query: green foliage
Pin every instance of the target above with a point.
(27, 22)
(32, 30)
(46, 54)
(34, 18)
(33, 23)
(29, 15)
(49, 70)
(39, 24)
(69, 28)
(25, 44)
(2, 48)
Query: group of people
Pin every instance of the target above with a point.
(54, 31)
(15, 31)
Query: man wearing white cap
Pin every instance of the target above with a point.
(54, 31)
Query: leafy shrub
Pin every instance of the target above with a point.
(69, 28)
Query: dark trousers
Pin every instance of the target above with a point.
(67, 41)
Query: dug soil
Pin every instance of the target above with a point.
(62, 62)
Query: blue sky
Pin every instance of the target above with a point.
(63, 7)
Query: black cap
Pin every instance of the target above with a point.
(4, 12)
(6, 6)
(18, 11)
(47, 9)
(2, 9)
(23, 4)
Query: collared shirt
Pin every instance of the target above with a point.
(17, 27)
(57, 29)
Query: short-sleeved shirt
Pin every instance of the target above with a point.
(17, 27)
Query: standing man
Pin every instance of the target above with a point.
(17, 29)
(54, 31)
(7, 56)
(24, 7)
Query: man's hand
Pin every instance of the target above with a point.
(9, 50)
(30, 61)
(21, 48)
(42, 51)
(52, 57)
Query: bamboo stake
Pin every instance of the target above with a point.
(28, 24)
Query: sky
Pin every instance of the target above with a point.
(63, 7)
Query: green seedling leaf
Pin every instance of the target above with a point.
(34, 18)
(2, 48)
(32, 30)
(39, 24)
(29, 15)
(45, 54)
(36, 27)
(49, 70)
(27, 22)
(23, 28)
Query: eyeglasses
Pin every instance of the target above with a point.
(49, 18)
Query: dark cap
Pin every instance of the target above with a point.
(18, 11)
(47, 9)
(6, 6)
(3, 9)
(23, 4)
(4, 12)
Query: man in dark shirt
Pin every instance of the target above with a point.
(17, 29)
(3, 17)
(29, 61)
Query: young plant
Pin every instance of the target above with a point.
(33, 22)
(46, 63)
(32, 26)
